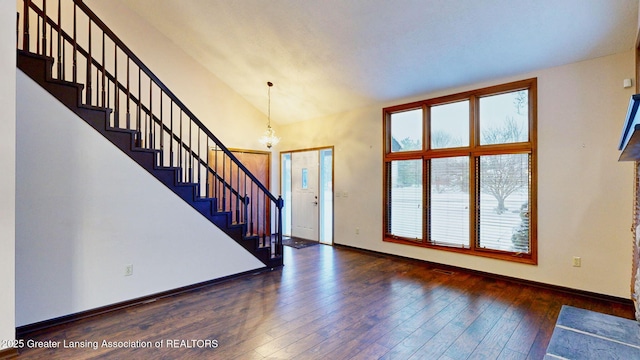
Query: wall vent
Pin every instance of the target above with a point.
(442, 271)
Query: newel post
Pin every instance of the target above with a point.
(280, 205)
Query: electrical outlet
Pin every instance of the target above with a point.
(577, 262)
(128, 270)
(357, 231)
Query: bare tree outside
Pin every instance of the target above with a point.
(408, 171)
(410, 144)
(441, 139)
(509, 132)
(521, 102)
(502, 174)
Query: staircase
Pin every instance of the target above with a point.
(64, 47)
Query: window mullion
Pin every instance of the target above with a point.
(474, 202)
(426, 134)
(426, 174)
(474, 195)
(426, 187)
(474, 122)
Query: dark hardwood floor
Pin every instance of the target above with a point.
(333, 303)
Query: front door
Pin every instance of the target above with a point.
(304, 188)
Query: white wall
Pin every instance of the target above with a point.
(8, 166)
(86, 210)
(584, 194)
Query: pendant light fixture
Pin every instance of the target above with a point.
(269, 137)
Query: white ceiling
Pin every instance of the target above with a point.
(330, 56)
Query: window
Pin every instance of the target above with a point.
(460, 172)
(406, 130)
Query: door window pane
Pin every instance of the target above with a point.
(405, 199)
(504, 202)
(449, 200)
(450, 125)
(326, 196)
(286, 193)
(305, 179)
(406, 130)
(504, 118)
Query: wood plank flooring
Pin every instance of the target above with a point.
(333, 303)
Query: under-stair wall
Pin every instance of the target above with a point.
(86, 211)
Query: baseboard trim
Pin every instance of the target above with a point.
(7, 354)
(588, 294)
(26, 330)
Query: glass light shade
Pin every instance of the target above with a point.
(269, 138)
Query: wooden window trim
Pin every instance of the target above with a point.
(474, 150)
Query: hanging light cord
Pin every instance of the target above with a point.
(269, 138)
(270, 84)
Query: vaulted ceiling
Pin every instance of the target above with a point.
(331, 56)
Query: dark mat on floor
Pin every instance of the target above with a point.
(584, 334)
(298, 243)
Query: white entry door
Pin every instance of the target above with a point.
(304, 195)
